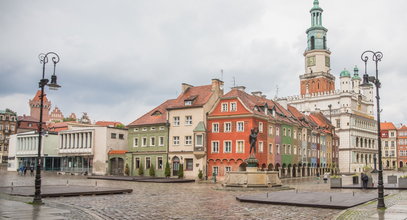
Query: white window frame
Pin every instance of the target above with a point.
(224, 107)
(161, 128)
(188, 140)
(230, 147)
(215, 127)
(270, 148)
(144, 129)
(277, 131)
(188, 120)
(176, 121)
(196, 140)
(217, 170)
(233, 106)
(161, 141)
(151, 141)
(261, 146)
(175, 140)
(213, 145)
(238, 127)
(228, 169)
(237, 146)
(156, 165)
(278, 149)
(136, 143)
(271, 130)
(225, 126)
(144, 143)
(261, 127)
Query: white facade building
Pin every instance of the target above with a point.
(85, 149)
(350, 107)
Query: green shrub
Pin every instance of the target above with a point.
(200, 175)
(405, 176)
(127, 170)
(167, 172)
(151, 172)
(181, 171)
(141, 170)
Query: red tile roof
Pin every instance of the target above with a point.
(117, 151)
(156, 116)
(108, 123)
(27, 118)
(199, 95)
(387, 126)
(403, 127)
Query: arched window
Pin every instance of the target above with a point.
(357, 142)
(357, 158)
(312, 43)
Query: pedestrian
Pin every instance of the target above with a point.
(365, 179)
(32, 170)
(25, 170)
(326, 175)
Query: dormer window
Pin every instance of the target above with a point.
(157, 113)
(224, 107)
(188, 102)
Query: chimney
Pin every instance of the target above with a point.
(217, 86)
(257, 93)
(185, 86)
(241, 88)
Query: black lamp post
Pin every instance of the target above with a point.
(377, 57)
(54, 86)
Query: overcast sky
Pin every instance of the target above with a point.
(119, 59)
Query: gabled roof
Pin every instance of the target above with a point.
(199, 95)
(387, 126)
(27, 118)
(403, 128)
(158, 115)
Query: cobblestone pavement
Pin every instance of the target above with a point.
(171, 201)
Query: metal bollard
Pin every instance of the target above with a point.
(67, 182)
(353, 193)
(330, 198)
(267, 194)
(12, 184)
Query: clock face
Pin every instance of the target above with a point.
(311, 61)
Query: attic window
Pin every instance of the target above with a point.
(188, 102)
(157, 113)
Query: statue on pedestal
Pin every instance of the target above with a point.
(252, 161)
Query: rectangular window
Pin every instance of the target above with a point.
(240, 126)
(277, 131)
(270, 130)
(113, 135)
(176, 121)
(215, 127)
(188, 140)
(233, 106)
(295, 134)
(271, 148)
(188, 102)
(278, 149)
(261, 127)
(161, 128)
(175, 140)
(228, 127)
(260, 146)
(392, 144)
(284, 132)
(228, 169)
(338, 123)
(189, 164)
(199, 140)
(188, 120)
(386, 144)
(239, 146)
(135, 142)
(159, 163)
(148, 163)
(215, 171)
(215, 146)
(224, 107)
(289, 132)
(121, 136)
(144, 142)
(137, 162)
(152, 141)
(227, 146)
(161, 141)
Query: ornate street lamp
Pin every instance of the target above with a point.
(376, 57)
(53, 86)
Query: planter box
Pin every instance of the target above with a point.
(392, 179)
(355, 179)
(336, 182)
(402, 182)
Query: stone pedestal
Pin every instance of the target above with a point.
(252, 178)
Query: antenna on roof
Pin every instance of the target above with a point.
(276, 96)
(221, 74)
(234, 82)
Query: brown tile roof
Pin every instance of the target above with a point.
(387, 126)
(199, 95)
(403, 128)
(156, 116)
(37, 96)
(27, 118)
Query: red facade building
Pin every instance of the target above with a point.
(402, 147)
